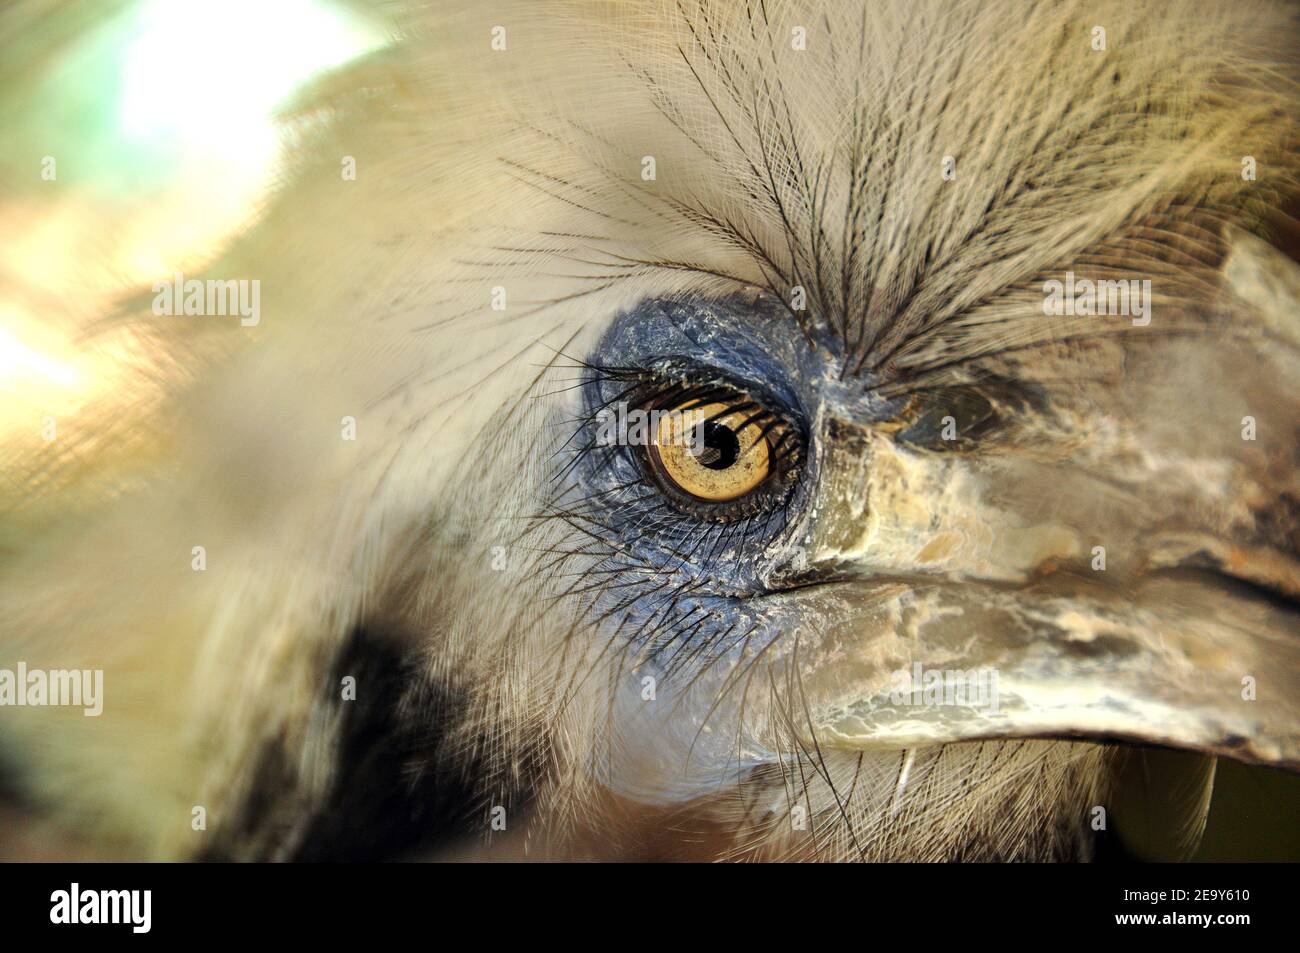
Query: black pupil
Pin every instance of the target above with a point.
(721, 446)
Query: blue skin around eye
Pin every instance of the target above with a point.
(756, 347)
(751, 348)
(755, 342)
(752, 343)
(679, 615)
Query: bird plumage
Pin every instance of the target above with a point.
(451, 559)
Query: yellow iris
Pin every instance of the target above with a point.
(712, 453)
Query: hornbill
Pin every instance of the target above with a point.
(739, 430)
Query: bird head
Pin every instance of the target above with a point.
(822, 432)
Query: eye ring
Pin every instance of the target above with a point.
(721, 456)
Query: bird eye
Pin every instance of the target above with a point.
(719, 449)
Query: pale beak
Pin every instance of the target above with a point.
(1140, 590)
(1187, 661)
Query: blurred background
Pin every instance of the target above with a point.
(141, 137)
